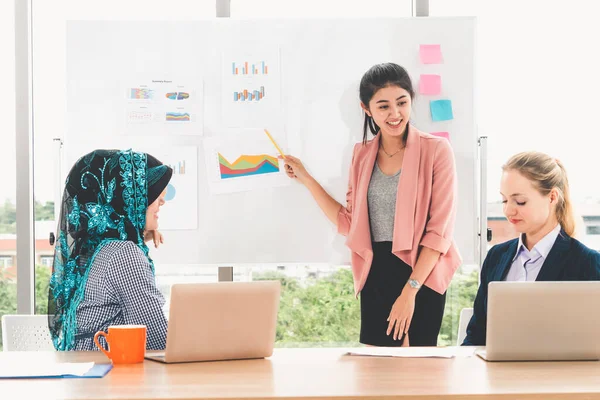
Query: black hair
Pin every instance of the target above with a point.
(378, 77)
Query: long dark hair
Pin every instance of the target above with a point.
(378, 77)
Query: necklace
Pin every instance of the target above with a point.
(388, 154)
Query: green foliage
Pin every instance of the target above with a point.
(321, 312)
(8, 293)
(460, 294)
(44, 212)
(42, 281)
(8, 298)
(8, 215)
(324, 312)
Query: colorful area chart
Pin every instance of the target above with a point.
(177, 95)
(247, 165)
(175, 116)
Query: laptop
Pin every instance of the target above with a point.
(220, 321)
(542, 321)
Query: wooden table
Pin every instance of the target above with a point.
(314, 373)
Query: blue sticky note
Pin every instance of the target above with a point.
(441, 110)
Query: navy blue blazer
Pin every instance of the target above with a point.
(568, 260)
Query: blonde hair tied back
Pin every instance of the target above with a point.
(547, 173)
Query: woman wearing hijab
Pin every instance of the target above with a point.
(102, 273)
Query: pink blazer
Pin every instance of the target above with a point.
(425, 208)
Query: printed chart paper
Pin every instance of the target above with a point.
(251, 88)
(243, 162)
(163, 106)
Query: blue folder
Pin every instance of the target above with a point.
(97, 371)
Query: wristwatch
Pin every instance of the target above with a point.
(414, 284)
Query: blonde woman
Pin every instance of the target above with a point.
(535, 194)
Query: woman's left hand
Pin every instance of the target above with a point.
(402, 313)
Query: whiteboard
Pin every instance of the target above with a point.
(314, 114)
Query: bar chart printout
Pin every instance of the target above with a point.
(251, 87)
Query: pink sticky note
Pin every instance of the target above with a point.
(430, 53)
(430, 84)
(441, 134)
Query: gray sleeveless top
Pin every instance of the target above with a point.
(381, 198)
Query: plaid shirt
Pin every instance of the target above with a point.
(121, 290)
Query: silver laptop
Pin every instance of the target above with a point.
(530, 321)
(220, 321)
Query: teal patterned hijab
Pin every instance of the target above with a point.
(106, 197)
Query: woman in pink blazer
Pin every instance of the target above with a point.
(399, 215)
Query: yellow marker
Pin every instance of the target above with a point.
(274, 143)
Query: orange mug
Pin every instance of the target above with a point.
(126, 343)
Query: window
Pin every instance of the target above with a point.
(317, 305)
(536, 91)
(49, 96)
(46, 261)
(6, 262)
(311, 293)
(592, 230)
(50, 122)
(8, 277)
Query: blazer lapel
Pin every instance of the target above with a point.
(556, 260)
(505, 262)
(359, 239)
(406, 197)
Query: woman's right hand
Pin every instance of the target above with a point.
(155, 236)
(295, 169)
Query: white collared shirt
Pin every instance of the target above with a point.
(526, 265)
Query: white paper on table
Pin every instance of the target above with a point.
(464, 351)
(405, 352)
(29, 370)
